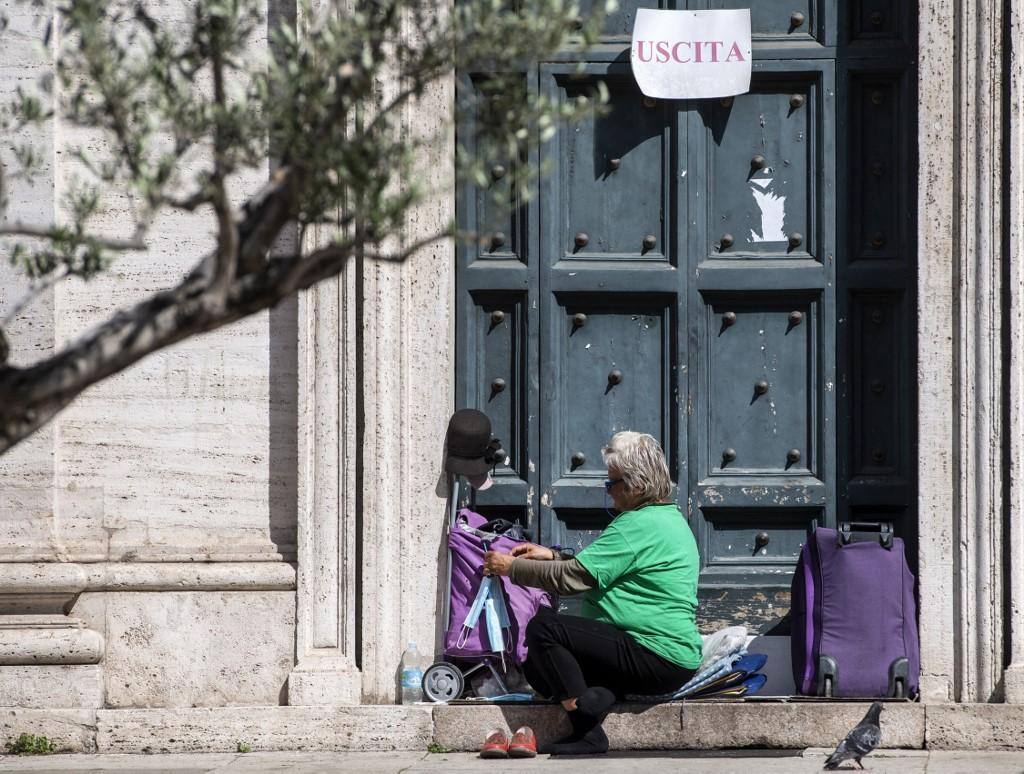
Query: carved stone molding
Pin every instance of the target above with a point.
(327, 670)
(48, 639)
(961, 362)
(20, 581)
(1013, 679)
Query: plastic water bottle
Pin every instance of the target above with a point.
(412, 675)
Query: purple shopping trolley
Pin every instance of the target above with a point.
(484, 617)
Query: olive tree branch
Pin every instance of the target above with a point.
(227, 235)
(17, 228)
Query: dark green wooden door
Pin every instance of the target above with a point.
(674, 274)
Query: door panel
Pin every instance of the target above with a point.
(764, 167)
(738, 537)
(878, 386)
(875, 213)
(498, 336)
(496, 215)
(615, 376)
(761, 364)
(793, 21)
(613, 173)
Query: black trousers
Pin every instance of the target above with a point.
(568, 654)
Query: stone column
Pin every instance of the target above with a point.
(935, 298)
(408, 334)
(960, 293)
(979, 357)
(327, 671)
(1013, 679)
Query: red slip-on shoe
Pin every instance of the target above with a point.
(495, 745)
(523, 744)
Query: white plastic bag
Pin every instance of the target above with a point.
(724, 642)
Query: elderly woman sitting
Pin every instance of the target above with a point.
(637, 633)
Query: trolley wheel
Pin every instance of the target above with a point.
(443, 682)
(828, 687)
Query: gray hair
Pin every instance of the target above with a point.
(641, 463)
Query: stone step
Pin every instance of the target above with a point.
(691, 725)
(705, 725)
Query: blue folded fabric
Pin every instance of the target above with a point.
(750, 663)
(704, 676)
(754, 683)
(740, 663)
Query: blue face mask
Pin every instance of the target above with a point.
(609, 511)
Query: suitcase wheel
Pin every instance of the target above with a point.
(443, 682)
(899, 670)
(825, 685)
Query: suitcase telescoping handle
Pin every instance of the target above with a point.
(866, 531)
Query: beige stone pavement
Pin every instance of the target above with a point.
(720, 762)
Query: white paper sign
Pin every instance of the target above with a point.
(691, 54)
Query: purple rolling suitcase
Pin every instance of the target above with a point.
(853, 620)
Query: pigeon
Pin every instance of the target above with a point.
(864, 738)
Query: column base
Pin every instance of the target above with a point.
(324, 682)
(52, 686)
(936, 689)
(1013, 683)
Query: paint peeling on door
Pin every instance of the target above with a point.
(713, 496)
(773, 211)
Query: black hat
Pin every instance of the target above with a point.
(468, 440)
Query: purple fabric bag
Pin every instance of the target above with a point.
(467, 558)
(853, 617)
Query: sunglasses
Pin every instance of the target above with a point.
(610, 483)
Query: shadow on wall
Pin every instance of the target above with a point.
(282, 478)
(283, 421)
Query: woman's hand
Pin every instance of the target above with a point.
(531, 551)
(496, 563)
